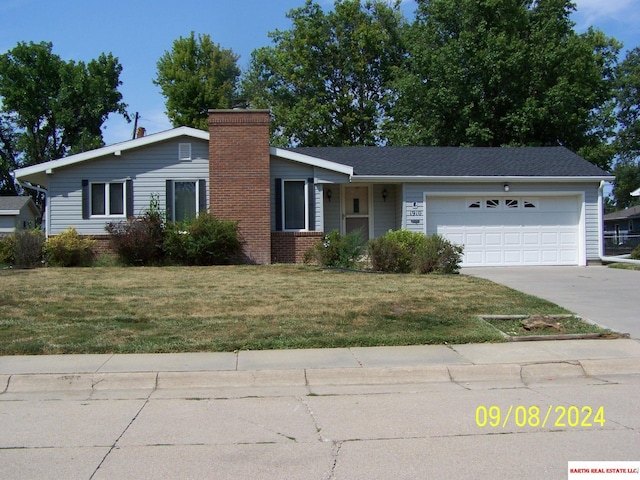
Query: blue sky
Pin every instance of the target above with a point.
(138, 32)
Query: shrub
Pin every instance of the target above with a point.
(438, 255)
(203, 241)
(635, 255)
(335, 250)
(138, 240)
(7, 247)
(27, 249)
(395, 251)
(403, 251)
(70, 250)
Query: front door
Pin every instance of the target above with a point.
(356, 210)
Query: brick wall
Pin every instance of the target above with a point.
(290, 247)
(239, 185)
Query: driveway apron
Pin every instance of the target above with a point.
(606, 296)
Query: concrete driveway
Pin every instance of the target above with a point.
(608, 296)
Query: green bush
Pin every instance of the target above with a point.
(138, 240)
(438, 255)
(403, 251)
(335, 250)
(7, 247)
(70, 250)
(635, 255)
(204, 240)
(27, 249)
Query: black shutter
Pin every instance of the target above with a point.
(129, 197)
(311, 191)
(278, 204)
(202, 194)
(169, 197)
(86, 200)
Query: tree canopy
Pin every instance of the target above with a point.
(50, 108)
(195, 76)
(324, 79)
(503, 72)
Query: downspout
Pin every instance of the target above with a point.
(44, 191)
(603, 258)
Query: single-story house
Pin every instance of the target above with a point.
(507, 206)
(17, 213)
(620, 225)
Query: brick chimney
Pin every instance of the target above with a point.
(239, 176)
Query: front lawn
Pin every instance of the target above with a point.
(188, 309)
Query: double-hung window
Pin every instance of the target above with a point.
(185, 199)
(108, 199)
(295, 204)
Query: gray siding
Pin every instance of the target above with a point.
(148, 167)
(384, 211)
(289, 170)
(332, 217)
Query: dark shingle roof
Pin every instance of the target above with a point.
(458, 161)
(13, 202)
(629, 213)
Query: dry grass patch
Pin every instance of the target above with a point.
(178, 309)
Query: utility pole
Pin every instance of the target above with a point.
(135, 125)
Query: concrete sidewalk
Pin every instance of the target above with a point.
(500, 363)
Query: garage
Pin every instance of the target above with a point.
(509, 230)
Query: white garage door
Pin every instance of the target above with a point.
(500, 231)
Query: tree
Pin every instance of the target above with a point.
(50, 108)
(325, 78)
(195, 76)
(504, 72)
(628, 94)
(627, 180)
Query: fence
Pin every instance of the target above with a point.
(620, 244)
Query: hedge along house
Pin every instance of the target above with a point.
(507, 206)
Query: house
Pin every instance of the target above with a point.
(507, 206)
(17, 213)
(622, 226)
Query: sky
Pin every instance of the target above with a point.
(138, 32)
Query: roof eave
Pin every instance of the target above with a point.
(313, 161)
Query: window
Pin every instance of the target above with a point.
(492, 203)
(473, 204)
(184, 205)
(511, 203)
(529, 203)
(107, 199)
(294, 204)
(185, 199)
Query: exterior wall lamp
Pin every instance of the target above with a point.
(384, 195)
(329, 194)
(506, 187)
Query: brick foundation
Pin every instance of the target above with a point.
(239, 175)
(290, 247)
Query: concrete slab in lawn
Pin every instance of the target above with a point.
(170, 362)
(406, 355)
(52, 363)
(548, 351)
(292, 359)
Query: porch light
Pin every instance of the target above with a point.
(384, 195)
(329, 194)
(506, 187)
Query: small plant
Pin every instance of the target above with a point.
(635, 255)
(70, 250)
(335, 250)
(438, 255)
(7, 246)
(204, 240)
(27, 248)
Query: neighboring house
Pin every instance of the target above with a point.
(507, 206)
(636, 193)
(622, 225)
(17, 213)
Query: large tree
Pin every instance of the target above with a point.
(325, 78)
(50, 108)
(504, 72)
(195, 76)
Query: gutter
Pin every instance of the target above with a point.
(45, 214)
